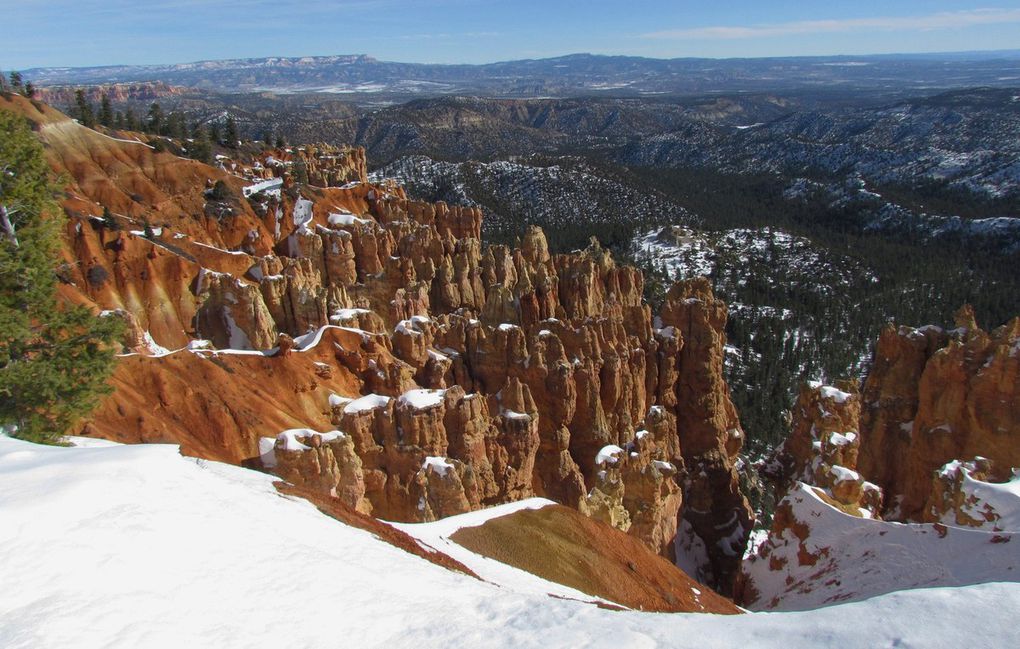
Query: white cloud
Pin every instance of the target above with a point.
(943, 20)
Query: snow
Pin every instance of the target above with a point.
(343, 315)
(367, 402)
(438, 465)
(842, 439)
(152, 346)
(265, 185)
(422, 399)
(220, 250)
(407, 328)
(238, 338)
(288, 439)
(267, 452)
(859, 558)
(156, 232)
(829, 392)
(843, 474)
(336, 400)
(136, 546)
(608, 454)
(514, 415)
(348, 219)
(999, 502)
(302, 214)
(436, 356)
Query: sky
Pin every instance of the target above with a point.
(48, 33)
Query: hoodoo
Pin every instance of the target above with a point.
(457, 375)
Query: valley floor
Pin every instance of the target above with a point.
(136, 546)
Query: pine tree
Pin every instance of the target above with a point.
(17, 82)
(201, 148)
(155, 124)
(230, 136)
(86, 114)
(300, 171)
(175, 126)
(105, 111)
(130, 120)
(54, 359)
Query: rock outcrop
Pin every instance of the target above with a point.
(934, 396)
(823, 448)
(709, 429)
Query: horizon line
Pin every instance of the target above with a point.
(933, 53)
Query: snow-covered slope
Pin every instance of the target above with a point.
(820, 555)
(136, 546)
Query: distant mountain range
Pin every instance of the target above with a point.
(573, 75)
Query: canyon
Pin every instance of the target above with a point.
(372, 352)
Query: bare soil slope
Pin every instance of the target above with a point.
(562, 545)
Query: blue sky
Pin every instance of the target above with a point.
(89, 32)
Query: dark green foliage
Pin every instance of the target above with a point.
(280, 142)
(86, 114)
(827, 335)
(214, 132)
(200, 147)
(97, 276)
(221, 192)
(131, 120)
(54, 359)
(105, 111)
(17, 84)
(111, 220)
(230, 136)
(155, 123)
(300, 171)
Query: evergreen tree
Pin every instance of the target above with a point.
(86, 114)
(175, 126)
(118, 120)
(29, 90)
(105, 111)
(17, 82)
(130, 120)
(201, 147)
(280, 142)
(155, 124)
(300, 171)
(54, 359)
(230, 136)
